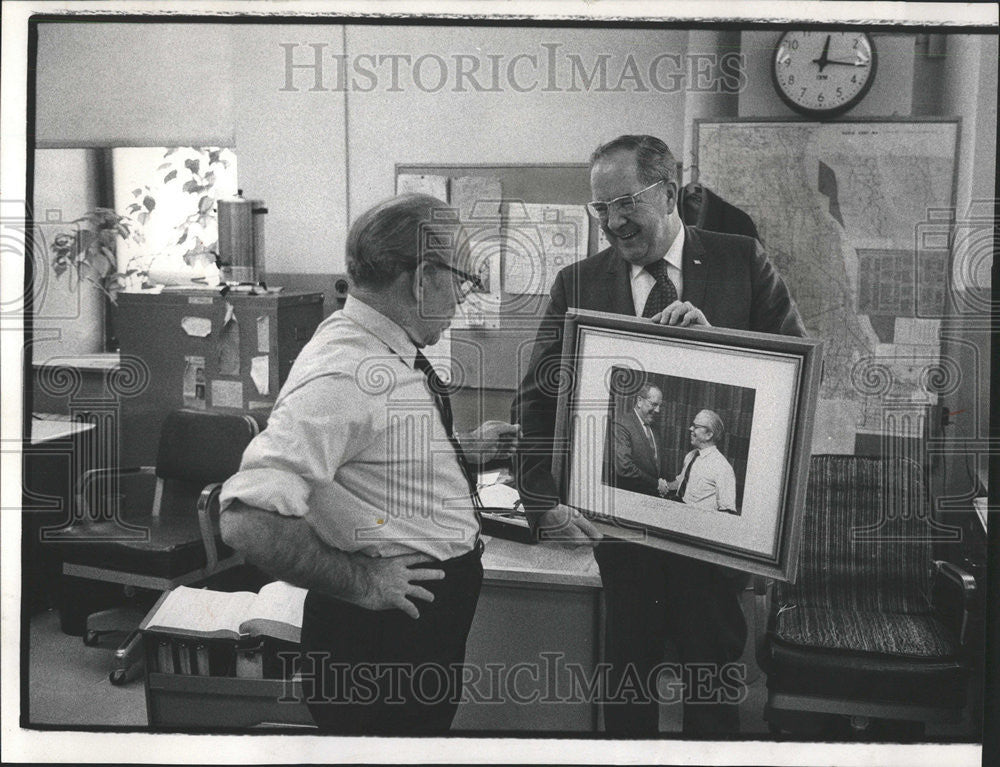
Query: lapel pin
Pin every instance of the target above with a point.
(697, 262)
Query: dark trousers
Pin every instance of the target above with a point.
(650, 596)
(371, 672)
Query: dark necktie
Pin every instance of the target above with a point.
(442, 399)
(663, 293)
(687, 476)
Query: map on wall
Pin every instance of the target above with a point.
(843, 209)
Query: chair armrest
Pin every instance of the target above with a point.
(954, 585)
(209, 495)
(88, 477)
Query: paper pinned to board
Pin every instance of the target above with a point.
(194, 382)
(260, 373)
(229, 344)
(478, 201)
(227, 394)
(197, 327)
(420, 183)
(264, 334)
(539, 240)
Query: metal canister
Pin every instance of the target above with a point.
(238, 243)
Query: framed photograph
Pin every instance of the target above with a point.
(690, 440)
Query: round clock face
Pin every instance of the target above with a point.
(823, 73)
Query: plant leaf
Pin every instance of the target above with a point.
(192, 165)
(142, 217)
(170, 176)
(205, 204)
(134, 207)
(149, 202)
(183, 237)
(136, 192)
(213, 156)
(164, 166)
(191, 187)
(170, 151)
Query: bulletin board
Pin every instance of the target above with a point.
(486, 355)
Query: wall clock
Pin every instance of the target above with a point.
(822, 74)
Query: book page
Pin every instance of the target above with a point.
(276, 611)
(201, 612)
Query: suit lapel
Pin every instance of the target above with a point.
(695, 269)
(619, 286)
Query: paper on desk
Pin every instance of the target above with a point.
(539, 240)
(499, 497)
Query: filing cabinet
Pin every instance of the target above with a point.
(201, 350)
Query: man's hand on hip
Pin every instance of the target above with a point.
(682, 313)
(384, 583)
(567, 526)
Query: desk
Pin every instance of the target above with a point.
(535, 639)
(53, 462)
(52, 429)
(539, 615)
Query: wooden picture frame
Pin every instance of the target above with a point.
(766, 385)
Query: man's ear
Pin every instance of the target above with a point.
(417, 282)
(670, 189)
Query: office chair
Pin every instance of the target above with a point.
(873, 630)
(174, 543)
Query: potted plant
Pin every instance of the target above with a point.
(91, 249)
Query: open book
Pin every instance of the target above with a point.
(276, 611)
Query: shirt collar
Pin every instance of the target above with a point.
(708, 449)
(380, 326)
(674, 255)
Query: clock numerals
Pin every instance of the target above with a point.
(823, 73)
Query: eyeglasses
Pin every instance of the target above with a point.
(700, 426)
(625, 204)
(467, 282)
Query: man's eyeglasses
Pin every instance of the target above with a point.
(467, 282)
(625, 204)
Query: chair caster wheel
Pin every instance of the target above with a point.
(118, 677)
(90, 638)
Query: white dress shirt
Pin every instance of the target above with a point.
(712, 483)
(356, 446)
(643, 281)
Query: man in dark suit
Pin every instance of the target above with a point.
(655, 267)
(636, 454)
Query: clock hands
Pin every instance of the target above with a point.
(847, 63)
(823, 60)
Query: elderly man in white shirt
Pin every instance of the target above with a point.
(706, 479)
(360, 490)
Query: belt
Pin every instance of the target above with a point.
(463, 560)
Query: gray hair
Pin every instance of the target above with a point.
(653, 158)
(392, 237)
(715, 424)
